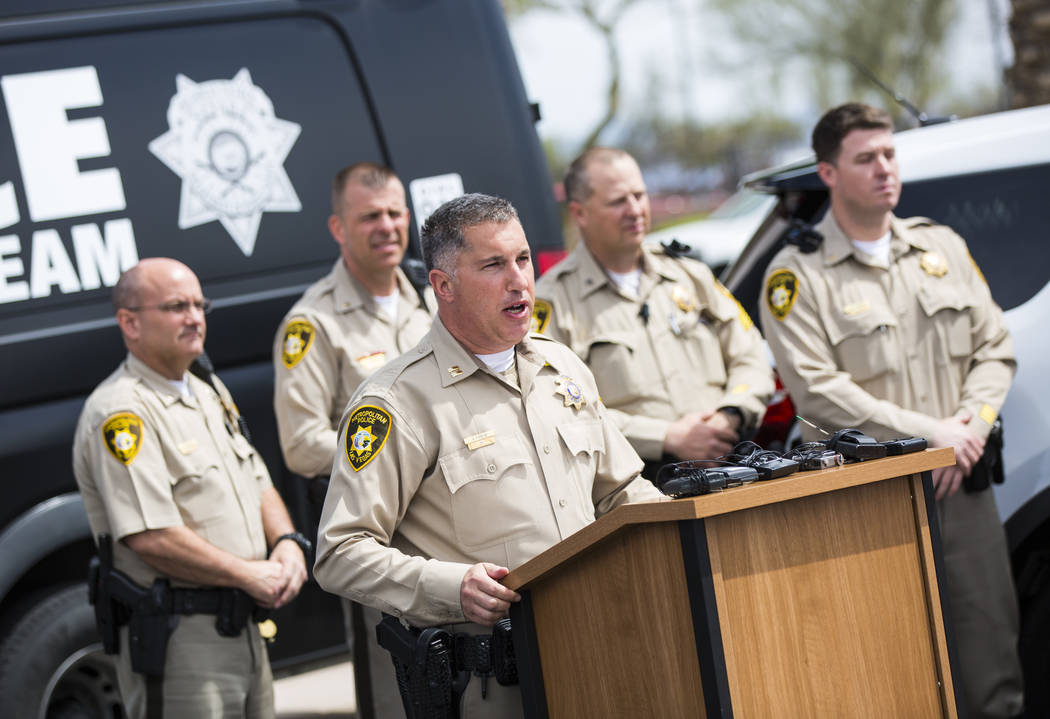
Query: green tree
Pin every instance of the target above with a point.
(1029, 78)
(899, 41)
(603, 16)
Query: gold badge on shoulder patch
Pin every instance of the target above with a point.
(781, 291)
(366, 433)
(571, 391)
(933, 264)
(122, 435)
(298, 336)
(541, 315)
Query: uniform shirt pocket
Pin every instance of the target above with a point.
(865, 344)
(949, 312)
(612, 359)
(493, 491)
(585, 443)
(199, 490)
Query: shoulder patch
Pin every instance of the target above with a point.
(298, 336)
(745, 318)
(122, 435)
(366, 433)
(781, 291)
(541, 315)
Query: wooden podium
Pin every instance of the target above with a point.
(814, 595)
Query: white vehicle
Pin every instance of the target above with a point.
(989, 179)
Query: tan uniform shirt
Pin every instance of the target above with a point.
(889, 350)
(443, 464)
(329, 342)
(697, 350)
(145, 457)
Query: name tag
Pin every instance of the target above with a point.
(479, 440)
(187, 446)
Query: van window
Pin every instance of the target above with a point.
(1002, 215)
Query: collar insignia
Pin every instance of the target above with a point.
(571, 391)
(455, 371)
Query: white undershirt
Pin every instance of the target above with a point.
(879, 249)
(499, 362)
(183, 386)
(387, 305)
(628, 282)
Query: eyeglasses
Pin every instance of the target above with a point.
(178, 307)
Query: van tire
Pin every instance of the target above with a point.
(52, 665)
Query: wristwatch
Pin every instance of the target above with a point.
(299, 538)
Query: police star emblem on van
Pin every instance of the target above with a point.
(229, 148)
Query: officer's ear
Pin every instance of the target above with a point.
(828, 173)
(578, 212)
(441, 281)
(128, 322)
(335, 226)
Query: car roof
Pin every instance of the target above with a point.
(1015, 138)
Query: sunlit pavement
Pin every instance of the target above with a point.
(321, 694)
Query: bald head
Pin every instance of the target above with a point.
(160, 312)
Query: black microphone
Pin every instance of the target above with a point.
(644, 313)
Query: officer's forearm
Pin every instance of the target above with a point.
(275, 518)
(182, 554)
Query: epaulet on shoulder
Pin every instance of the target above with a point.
(538, 336)
(673, 248)
(919, 221)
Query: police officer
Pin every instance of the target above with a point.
(471, 453)
(678, 361)
(164, 470)
(347, 325)
(890, 327)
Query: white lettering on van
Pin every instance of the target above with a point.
(11, 267)
(101, 260)
(50, 265)
(49, 144)
(8, 206)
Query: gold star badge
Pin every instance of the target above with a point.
(933, 264)
(571, 391)
(268, 629)
(683, 298)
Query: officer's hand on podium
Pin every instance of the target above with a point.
(484, 600)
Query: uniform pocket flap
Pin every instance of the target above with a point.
(583, 436)
(933, 302)
(627, 339)
(490, 462)
(857, 320)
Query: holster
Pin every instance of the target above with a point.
(988, 469)
(235, 608)
(423, 665)
(149, 629)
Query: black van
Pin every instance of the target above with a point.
(208, 132)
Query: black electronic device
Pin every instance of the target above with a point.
(854, 444)
(689, 479)
(768, 464)
(904, 445)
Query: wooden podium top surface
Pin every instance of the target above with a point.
(755, 494)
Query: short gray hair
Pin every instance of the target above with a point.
(442, 237)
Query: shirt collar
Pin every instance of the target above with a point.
(594, 277)
(157, 382)
(456, 363)
(349, 294)
(837, 246)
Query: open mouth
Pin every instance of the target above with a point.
(519, 309)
